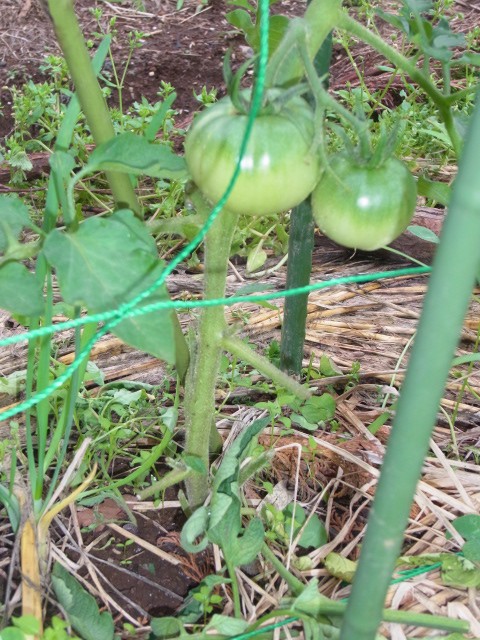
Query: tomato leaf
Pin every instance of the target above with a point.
(20, 291)
(107, 262)
(129, 153)
(13, 217)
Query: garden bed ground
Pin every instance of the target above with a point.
(372, 324)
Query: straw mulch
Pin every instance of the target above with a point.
(373, 324)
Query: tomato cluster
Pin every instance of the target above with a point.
(354, 204)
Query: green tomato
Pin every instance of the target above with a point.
(279, 168)
(363, 207)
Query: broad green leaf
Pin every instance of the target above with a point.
(277, 28)
(80, 607)
(106, 263)
(438, 191)
(319, 408)
(310, 601)
(226, 625)
(133, 154)
(166, 628)
(242, 3)
(314, 534)
(12, 633)
(20, 291)
(13, 217)
(303, 423)
(423, 233)
(340, 567)
(30, 625)
(240, 19)
(327, 368)
(468, 526)
(469, 57)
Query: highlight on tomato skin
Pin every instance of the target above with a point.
(279, 169)
(362, 207)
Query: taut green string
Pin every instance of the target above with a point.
(196, 304)
(168, 304)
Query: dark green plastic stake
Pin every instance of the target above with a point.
(300, 250)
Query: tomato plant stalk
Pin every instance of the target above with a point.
(204, 367)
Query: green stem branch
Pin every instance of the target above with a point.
(262, 364)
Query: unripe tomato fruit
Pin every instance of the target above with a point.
(363, 207)
(279, 169)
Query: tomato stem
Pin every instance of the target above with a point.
(205, 363)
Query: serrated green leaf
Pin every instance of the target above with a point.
(80, 607)
(20, 291)
(106, 263)
(133, 154)
(340, 567)
(13, 217)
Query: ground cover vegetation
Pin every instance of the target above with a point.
(81, 253)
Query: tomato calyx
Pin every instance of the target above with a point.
(274, 99)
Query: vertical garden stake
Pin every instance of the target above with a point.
(300, 250)
(455, 268)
